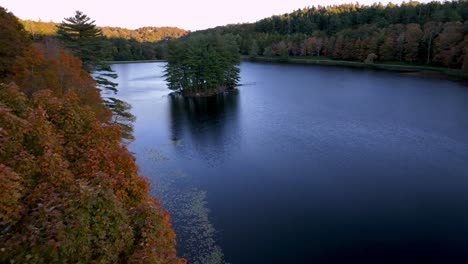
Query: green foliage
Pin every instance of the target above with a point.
(84, 39)
(203, 64)
(80, 35)
(418, 33)
(122, 116)
(253, 52)
(332, 19)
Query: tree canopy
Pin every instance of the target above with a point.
(432, 33)
(13, 42)
(80, 35)
(71, 192)
(146, 43)
(203, 64)
(83, 38)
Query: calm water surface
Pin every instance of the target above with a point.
(308, 164)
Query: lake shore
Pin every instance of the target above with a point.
(418, 70)
(134, 61)
(204, 94)
(415, 70)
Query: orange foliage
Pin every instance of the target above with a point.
(13, 42)
(70, 189)
(72, 192)
(10, 205)
(449, 45)
(48, 66)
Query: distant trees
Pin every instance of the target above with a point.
(146, 43)
(253, 52)
(203, 64)
(413, 36)
(419, 33)
(334, 18)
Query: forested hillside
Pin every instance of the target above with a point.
(71, 192)
(125, 44)
(431, 34)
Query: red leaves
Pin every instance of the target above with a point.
(153, 235)
(70, 191)
(71, 187)
(11, 207)
(13, 42)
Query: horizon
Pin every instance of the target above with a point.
(193, 16)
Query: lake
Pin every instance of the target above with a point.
(307, 164)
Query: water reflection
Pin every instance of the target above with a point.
(203, 131)
(311, 164)
(204, 123)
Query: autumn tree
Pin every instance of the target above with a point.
(448, 46)
(71, 192)
(13, 42)
(413, 37)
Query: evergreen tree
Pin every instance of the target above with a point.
(80, 35)
(83, 38)
(203, 64)
(253, 52)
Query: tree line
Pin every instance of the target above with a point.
(146, 43)
(71, 192)
(432, 33)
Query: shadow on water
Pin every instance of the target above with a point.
(195, 114)
(200, 128)
(209, 124)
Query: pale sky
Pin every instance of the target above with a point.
(186, 14)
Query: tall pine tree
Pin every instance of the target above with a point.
(80, 35)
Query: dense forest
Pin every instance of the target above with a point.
(203, 64)
(70, 188)
(434, 33)
(146, 43)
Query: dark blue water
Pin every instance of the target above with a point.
(308, 164)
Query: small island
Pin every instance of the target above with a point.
(203, 65)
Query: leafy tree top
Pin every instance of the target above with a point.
(203, 64)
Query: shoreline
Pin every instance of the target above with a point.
(134, 61)
(204, 94)
(417, 70)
